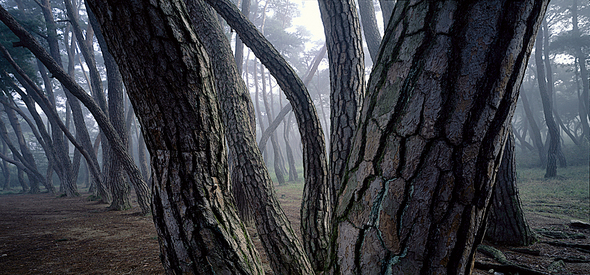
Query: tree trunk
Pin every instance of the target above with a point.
(506, 223)
(370, 28)
(386, 10)
(24, 148)
(553, 136)
(249, 174)
(432, 127)
(5, 168)
(534, 129)
(277, 155)
(583, 71)
(293, 175)
(120, 189)
(316, 203)
(239, 43)
(197, 224)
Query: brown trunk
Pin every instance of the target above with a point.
(506, 223)
(431, 131)
(197, 224)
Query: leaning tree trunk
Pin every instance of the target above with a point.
(506, 223)
(24, 148)
(169, 81)
(553, 136)
(432, 127)
(370, 28)
(282, 247)
(534, 129)
(316, 204)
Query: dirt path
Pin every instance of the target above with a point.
(42, 234)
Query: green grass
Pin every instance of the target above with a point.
(567, 196)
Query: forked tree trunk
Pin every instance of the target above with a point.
(506, 223)
(169, 81)
(432, 127)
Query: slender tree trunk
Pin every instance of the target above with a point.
(431, 131)
(239, 44)
(5, 168)
(198, 228)
(553, 135)
(24, 148)
(293, 175)
(506, 223)
(534, 132)
(583, 72)
(370, 29)
(386, 10)
(273, 137)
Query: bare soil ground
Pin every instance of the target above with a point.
(43, 234)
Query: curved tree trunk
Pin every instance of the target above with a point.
(198, 227)
(24, 148)
(283, 249)
(535, 132)
(316, 203)
(506, 223)
(432, 127)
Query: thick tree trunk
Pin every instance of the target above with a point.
(283, 249)
(432, 127)
(553, 136)
(506, 223)
(198, 227)
(5, 169)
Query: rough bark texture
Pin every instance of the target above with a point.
(553, 137)
(284, 250)
(347, 89)
(506, 222)
(316, 205)
(170, 84)
(432, 127)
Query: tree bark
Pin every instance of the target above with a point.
(506, 223)
(370, 28)
(284, 250)
(316, 203)
(170, 83)
(432, 127)
(553, 136)
(347, 89)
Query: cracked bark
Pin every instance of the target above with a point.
(282, 247)
(506, 223)
(431, 131)
(170, 83)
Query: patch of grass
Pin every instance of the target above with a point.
(566, 196)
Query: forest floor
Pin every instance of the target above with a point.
(45, 234)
